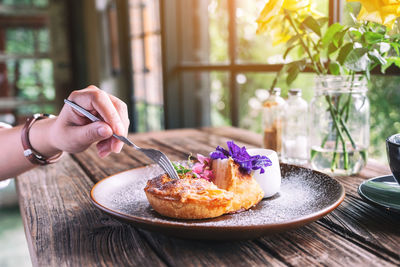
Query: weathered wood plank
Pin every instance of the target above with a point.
(237, 134)
(177, 252)
(198, 143)
(346, 220)
(373, 228)
(316, 246)
(64, 229)
(355, 219)
(351, 234)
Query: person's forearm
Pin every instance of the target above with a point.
(12, 159)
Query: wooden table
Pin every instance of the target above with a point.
(63, 228)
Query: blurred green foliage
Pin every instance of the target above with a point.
(29, 70)
(384, 91)
(36, 3)
(384, 96)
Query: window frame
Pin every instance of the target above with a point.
(32, 17)
(173, 67)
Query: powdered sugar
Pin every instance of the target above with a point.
(303, 193)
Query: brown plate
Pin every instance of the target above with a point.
(305, 196)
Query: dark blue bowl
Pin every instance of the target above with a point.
(393, 153)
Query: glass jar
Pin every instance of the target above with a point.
(339, 128)
(295, 148)
(272, 121)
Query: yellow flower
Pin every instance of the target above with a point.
(270, 10)
(384, 12)
(294, 5)
(272, 21)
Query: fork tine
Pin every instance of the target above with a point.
(171, 168)
(156, 155)
(168, 166)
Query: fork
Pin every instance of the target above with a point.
(155, 155)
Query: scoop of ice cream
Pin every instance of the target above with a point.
(270, 180)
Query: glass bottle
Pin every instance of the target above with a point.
(339, 133)
(295, 129)
(272, 121)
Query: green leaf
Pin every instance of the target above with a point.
(338, 38)
(355, 33)
(311, 24)
(358, 60)
(334, 68)
(292, 75)
(300, 51)
(322, 21)
(396, 48)
(288, 51)
(387, 65)
(331, 31)
(301, 64)
(344, 52)
(397, 62)
(180, 169)
(375, 55)
(332, 48)
(292, 40)
(373, 37)
(392, 60)
(316, 57)
(294, 68)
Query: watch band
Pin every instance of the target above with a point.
(32, 155)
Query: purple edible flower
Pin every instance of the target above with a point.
(246, 162)
(219, 153)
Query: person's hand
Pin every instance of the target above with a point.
(73, 132)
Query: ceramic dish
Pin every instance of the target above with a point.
(304, 196)
(382, 191)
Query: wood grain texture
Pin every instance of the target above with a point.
(64, 229)
(374, 229)
(177, 252)
(179, 146)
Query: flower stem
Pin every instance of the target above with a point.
(291, 21)
(333, 162)
(339, 131)
(275, 81)
(343, 124)
(334, 157)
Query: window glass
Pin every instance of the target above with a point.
(25, 63)
(347, 8)
(219, 98)
(218, 31)
(146, 64)
(253, 48)
(43, 41)
(203, 30)
(149, 116)
(384, 97)
(31, 78)
(19, 41)
(36, 3)
(253, 91)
